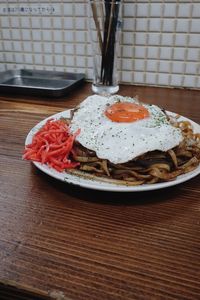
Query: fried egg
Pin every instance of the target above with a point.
(120, 129)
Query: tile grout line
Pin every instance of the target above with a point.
(147, 42)
(74, 35)
(42, 43)
(173, 45)
(63, 37)
(86, 36)
(39, 50)
(3, 46)
(21, 37)
(52, 40)
(160, 42)
(186, 46)
(134, 40)
(11, 38)
(31, 34)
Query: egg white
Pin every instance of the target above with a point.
(122, 142)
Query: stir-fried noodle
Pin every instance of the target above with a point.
(151, 167)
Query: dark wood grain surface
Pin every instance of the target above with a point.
(63, 242)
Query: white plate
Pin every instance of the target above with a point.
(104, 186)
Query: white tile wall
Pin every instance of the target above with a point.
(160, 42)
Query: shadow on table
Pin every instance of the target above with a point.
(117, 198)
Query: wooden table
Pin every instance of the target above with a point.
(59, 241)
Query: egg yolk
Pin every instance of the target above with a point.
(126, 112)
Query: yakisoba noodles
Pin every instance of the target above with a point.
(148, 168)
(152, 167)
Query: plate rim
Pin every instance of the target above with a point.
(104, 186)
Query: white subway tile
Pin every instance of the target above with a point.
(81, 24)
(19, 58)
(179, 53)
(58, 37)
(80, 10)
(36, 35)
(80, 36)
(151, 65)
(58, 48)
(139, 77)
(127, 51)
(38, 59)
(68, 23)
(140, 38)
(163, 79)
(58, 60)
(69, 36)
(70, 61)
(193, 54)
(168, 25)
(184, 10)
(177, 67)
(128, 24)
(154, 39)
(17, 46)
(164, 66)
(8, 45)
(189, 81)
(26, 34)
(126, 64)
(15, 22)
(16, 34)
(156, 9)
(89, 49)
(195, 25)
(67, 9)
(37, 47)
(46, 23)
(141, 24)
(150, 78)
(129, 10)
(81, 61)
(142, 9)
(35, 22)
(176, 80)
(25, 22)
(152, 52)
(57, 23)
(140, 52)
(80, 49)
(192, 68)
(27, 46)
(47, 36)
(155, 24)
(6, 34)
(181, 39)
(69, 49)
(48, 47)
(139, 64)
(5, 22)
(196, 10)
(170, 10)
(194, 40)
(165, 53)
(128, 38)
(182, 25)
(126, 76)
(167, 39)
(28, 58)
